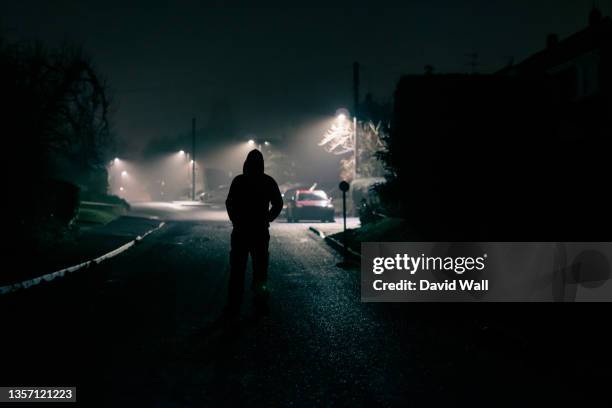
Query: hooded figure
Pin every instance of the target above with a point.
(254, 200)
(254, 163)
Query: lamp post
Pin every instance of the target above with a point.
(193, 157)
(186, 156)
(355, 155)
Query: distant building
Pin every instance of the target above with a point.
(579, 65)
(519, 154)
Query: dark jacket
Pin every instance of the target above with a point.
(254, 199)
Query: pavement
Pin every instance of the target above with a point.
(144, 329)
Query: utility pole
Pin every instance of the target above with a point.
(355, 115)
(355, 155)
(193, 158)
(355, 88)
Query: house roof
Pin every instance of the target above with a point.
(596, 36)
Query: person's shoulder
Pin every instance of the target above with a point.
(238, 182)
(269, 179)
(238, 178)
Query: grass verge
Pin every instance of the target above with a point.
(98, 213)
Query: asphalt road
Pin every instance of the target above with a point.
(143, 330)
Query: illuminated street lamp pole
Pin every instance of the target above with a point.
(355, 155)
(186, 156)
(355, 113)
(193, 157)
(113, 171)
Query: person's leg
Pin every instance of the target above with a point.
(238, 260)
(260, 255)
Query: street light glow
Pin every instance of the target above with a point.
(342, 115)
(124, 173)
(267, 143)
(182, 152)
(251, 142)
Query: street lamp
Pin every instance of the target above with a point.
(355, 155)
(258, 143)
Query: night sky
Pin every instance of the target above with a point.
(278, 65)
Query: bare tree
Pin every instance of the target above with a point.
(56, 134)
(59, 106)
(370, 145)
(340, 139)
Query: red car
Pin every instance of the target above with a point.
(309, 205)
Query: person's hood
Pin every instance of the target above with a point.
(254, 163)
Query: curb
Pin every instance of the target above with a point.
(62, 272)
(337, 245)
(316, 231)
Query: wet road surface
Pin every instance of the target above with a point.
(144, 329)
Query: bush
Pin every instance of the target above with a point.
(364, 190)
(367, 214)
(42, 213)
(62, 201)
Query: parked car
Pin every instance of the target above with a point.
(309, 205)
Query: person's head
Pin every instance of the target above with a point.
(254, 163)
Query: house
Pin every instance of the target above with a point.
(520, 154)
(580, 65)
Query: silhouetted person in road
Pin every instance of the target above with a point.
(254, 200)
